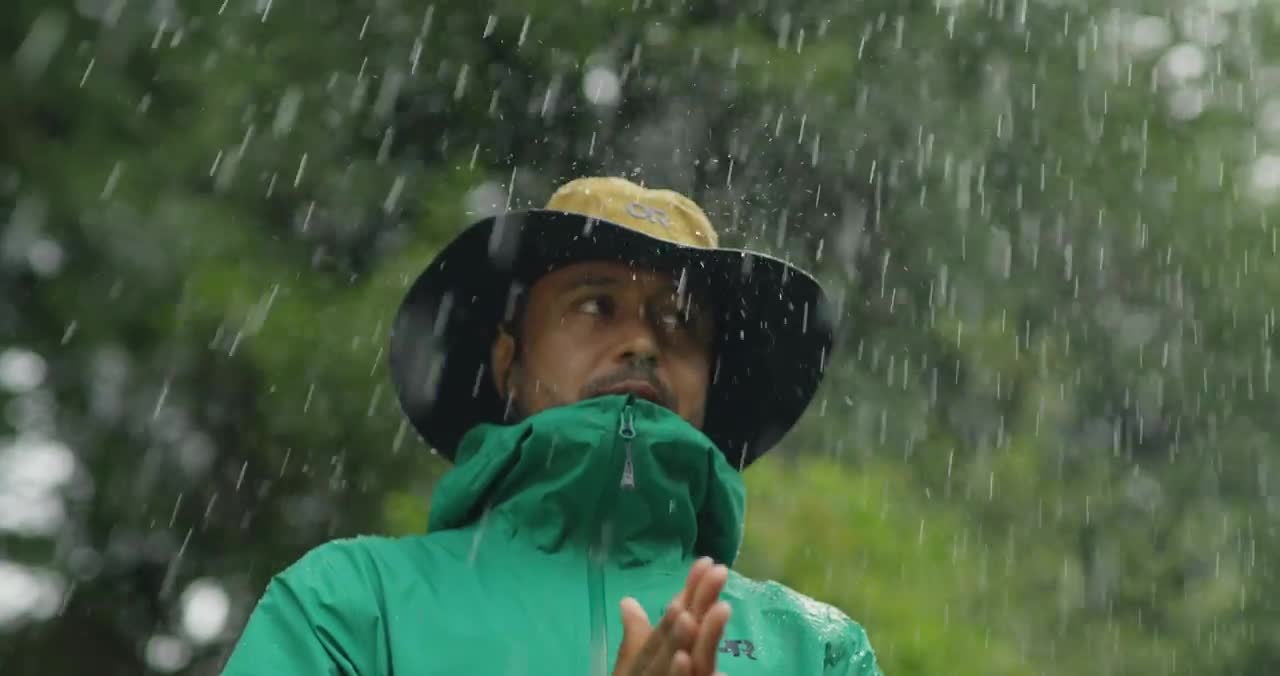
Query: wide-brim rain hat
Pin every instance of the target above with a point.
(773, 322)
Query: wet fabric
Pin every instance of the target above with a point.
(535, 535)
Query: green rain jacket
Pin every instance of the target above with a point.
(536, 534)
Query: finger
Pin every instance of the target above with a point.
(635, 622)
(681, 635)
(636, 630)
(708, 590)
(684, 633)
(707, 642)
(696, 571)
(681, 664)
(633, 613)
(680, 639)
(661, 643)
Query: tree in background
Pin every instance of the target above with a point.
(1042, 447)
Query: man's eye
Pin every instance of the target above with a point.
(599, 305)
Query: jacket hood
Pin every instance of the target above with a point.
(556, 480)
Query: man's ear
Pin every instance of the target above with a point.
(502, 357)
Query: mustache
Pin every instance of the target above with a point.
(634, 373)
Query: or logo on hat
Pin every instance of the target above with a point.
(648, 213)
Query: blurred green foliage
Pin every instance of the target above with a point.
(1044, 447)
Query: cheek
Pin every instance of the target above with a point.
(690, 376)
(559, 366)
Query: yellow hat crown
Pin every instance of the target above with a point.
(664, 214)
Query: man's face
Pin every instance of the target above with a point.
(597, 328)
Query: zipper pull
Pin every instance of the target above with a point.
(628, 432)
(628, 428)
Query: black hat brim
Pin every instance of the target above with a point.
(774, 325)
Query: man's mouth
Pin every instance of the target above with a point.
(638, 388)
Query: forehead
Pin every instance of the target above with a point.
(601, 273)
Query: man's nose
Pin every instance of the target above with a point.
(640, 342)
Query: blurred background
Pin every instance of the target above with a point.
(1047, 443)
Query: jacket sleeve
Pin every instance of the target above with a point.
(318, 617)
(851, 654)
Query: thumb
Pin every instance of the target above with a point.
(635, 630)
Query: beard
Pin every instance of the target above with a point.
(520, 400)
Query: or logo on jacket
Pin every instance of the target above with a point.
(738, 648)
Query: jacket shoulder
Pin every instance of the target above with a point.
(354, 566)
(319, 615)
(340, 558)
(328, 612)
(771, 597)
(848, 648)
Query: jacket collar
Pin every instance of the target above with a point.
(555, 479)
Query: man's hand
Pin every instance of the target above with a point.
(686, 639)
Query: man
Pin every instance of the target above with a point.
(600, 373)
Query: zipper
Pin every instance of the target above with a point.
(627, 430)
(597, 556)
